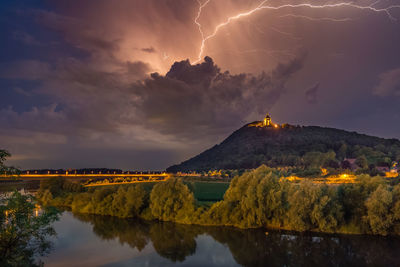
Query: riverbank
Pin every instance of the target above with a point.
(11, 185)
(92, 240)
(259, 198)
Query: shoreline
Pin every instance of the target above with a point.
(265, 229)
(257, 199)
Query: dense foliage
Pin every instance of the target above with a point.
(6, 170)
(23, 235)
(304, 148)
(260, 198)
(172, 201)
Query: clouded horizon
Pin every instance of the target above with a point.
(113, 84)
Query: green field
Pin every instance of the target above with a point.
(208, 191)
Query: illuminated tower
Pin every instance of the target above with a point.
(267, 121)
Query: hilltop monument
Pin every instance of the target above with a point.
(267, 121)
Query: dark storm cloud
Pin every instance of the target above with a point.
(78, 33)
(190, 101)
(86, 99)
(24, 69)
(200, 100)
(42, 119)
(312, 94)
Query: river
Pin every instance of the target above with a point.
(87, 240)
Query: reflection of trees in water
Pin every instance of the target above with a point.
(173, 241)
(251, 247)
(254, 248)
(170, 240)
(135, 233)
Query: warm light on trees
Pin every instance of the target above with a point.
(24, 231)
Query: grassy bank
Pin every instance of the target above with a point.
(208, 191)
(255, 199)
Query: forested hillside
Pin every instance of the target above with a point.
(304, 147)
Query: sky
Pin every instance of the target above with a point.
(144, 84)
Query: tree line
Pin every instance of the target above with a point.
(259, 198)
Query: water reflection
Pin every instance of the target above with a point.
(184, 244)
(172, 241)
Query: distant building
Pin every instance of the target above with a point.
(267, 121)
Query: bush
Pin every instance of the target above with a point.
(172, 201)
(379, 206)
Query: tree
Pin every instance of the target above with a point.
(4, 154)
(379, 206)
(136, 200)
(172, 201)
(342, 153)
(24, 234)
(362, 162)
(53, 185)
(128, 202)
(316, 160)
(313, 207)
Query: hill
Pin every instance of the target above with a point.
(297, 146)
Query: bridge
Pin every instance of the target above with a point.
(99, 178)
(90, 175)
(92, 179)
(132, 181)
(86, 176)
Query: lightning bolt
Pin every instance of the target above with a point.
(263, 6)
(196, 20)
(315, 19)
(204, 39)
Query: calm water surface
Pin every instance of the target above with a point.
(85, 240)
